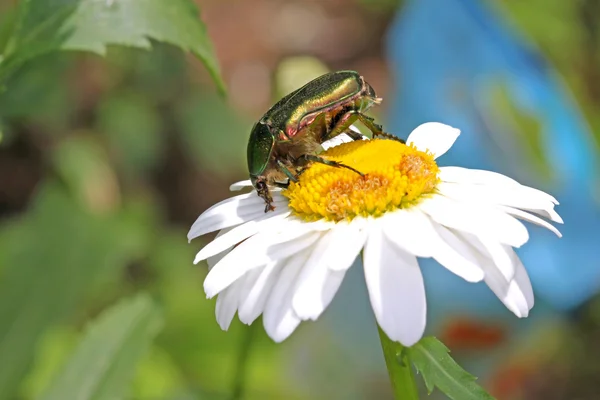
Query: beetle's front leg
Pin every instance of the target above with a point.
(376, 128)
(331, 163)
(291, 176)
(263, 191)
(350, 117)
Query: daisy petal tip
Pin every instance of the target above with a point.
(434, 137)
(475, 277)
(279, 337)
(407, 339)
(197, 259)
(521, 239)
(301, 311)
(224, 324)
(408, 342)
(210, 293)
(236, 187)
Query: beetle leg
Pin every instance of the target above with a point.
(286, 171)
(376, 128)
(350, 117)
(313, 158)
(263, 191)
(353, 135)
(343, 127)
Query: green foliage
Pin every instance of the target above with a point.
(103, 363)
(433, 361)
(51, 258)
(399, 368)
(45, 26)
(204, 121)
(84, 167)
(133, 130)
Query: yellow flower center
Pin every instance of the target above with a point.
(395, 176)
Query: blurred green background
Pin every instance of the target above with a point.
(106, 162)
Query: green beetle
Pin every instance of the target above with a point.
(289, 136)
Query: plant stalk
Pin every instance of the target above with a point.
(399, 368)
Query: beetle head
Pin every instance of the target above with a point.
(369, 92)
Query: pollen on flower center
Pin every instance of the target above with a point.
(395, 176)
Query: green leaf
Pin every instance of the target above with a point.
(44, 26)
(433, 361)
(103, 364)
(41, 288)
(133, 129)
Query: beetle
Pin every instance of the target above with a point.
(288, 137)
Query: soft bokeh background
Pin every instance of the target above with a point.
(106, 162)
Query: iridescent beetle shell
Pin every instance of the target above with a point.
(281, 135)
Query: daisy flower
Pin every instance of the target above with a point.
(288, 264)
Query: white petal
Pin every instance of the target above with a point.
(238, 234)
(516, 294)
(547, 213)
(530, 218)
(508, 292)
(522, 281)
(256, 251)
(456, 256)
(293, 225)
(411, 230)
(476, 219)
(227, 304)
(347, 240)
(500, 255)
(212, 261)
(483, 177)
(279, 318)
(434, 137)
(252, 304)
(234, 211)
(235, 187)
(414, 232)
(475, 176)
(317, 284)
(396, 289)
(326, 284)
(516, 196)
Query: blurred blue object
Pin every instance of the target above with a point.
(458, 62)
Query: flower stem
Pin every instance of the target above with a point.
(242, 362)
(399, 368)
